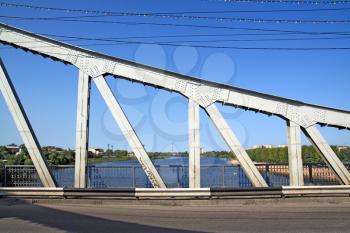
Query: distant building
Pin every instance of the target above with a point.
(96, 151)
(131, 154)
(13, 148)
(52, 149)
(339, 148)
(267, 146)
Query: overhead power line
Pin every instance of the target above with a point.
(208, 46)
(221, 19)
(212, 47)
(122, 39)
(88, 11)
(111, 39)
(311, 2)
(132, 23)
(173, 44)
(194, 26)
(177, 16)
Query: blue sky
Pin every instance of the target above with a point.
(48, 90)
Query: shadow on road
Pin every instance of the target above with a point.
(71, 222)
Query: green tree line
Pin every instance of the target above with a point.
(309, 153)
(57, 156)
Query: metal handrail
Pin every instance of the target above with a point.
(173, 165)
(102, 176)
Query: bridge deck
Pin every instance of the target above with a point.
(283, 215)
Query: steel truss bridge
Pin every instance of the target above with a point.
(299, 117)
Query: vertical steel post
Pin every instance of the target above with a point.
(267, 172)
(194, 152)
(223, 176)
(296, 172)
(310, 173)
(82, 130)
(133, 176)
(5, 175)
(25, 129)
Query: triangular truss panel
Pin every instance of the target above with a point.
(299, 116)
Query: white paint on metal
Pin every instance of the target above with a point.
(25, 129)
(173, 192)
(316, 190)
(82, 130)
(328, 154)
(129, 132)
(203, 92)
(294, 154)
(31, 192)
(232, 141)
(194, 151)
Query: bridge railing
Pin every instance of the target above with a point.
(2, 175)
(173, 175)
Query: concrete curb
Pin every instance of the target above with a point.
(180, 193)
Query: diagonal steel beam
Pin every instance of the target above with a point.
(194, 152)
(25, 129)
(129, 132)
(232, 141)
(82, 130)
(296, 172)
(328, 154)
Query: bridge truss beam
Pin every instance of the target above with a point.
(82, 130)
(232, 141)
(204, 93)
(194, 152)
(328, 154)
(129, 132)
(26, 132)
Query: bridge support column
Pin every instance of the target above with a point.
(194, 166)
(129, 132)
(25, 129)
(328, 154)
(232, 141)
(82, 130)
(296, 172)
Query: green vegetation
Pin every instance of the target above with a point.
(163, 155)
(55, 155)
(219, 154)
(109, 156)
(310, 155)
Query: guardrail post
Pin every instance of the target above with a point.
(310, 173)
(223, 176)
(5, 176)
(267, 172)
(133, 176)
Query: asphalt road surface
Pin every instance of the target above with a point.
(231, 216)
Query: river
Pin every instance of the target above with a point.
(215, 172)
